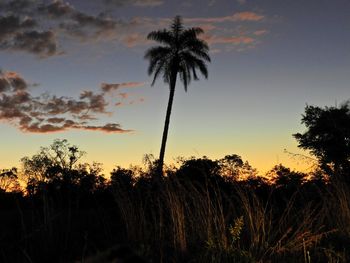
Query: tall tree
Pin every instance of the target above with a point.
(181, 53)
(327, 136)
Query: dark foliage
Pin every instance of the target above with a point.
(328, 137)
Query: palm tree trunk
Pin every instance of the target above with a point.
(166, 124)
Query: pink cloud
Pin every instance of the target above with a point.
(241, 16)
(235, 40)
(109, 87)
(260, 32)
(123, 95)
(49, 114)
(135, 39)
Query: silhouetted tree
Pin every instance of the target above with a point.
(327, 136)
(9, 180)
(181, 53)
(52, 163)
(283, 177)
(199, 170)
(233, 167)
(122, 178)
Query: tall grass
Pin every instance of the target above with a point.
(180, 220)
(177, 219)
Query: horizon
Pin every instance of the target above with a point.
(82, 70)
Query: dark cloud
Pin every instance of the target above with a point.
(96, 103)
(17, 5)
(56, 9)
(109, 87)
(96, 21)
(19, 33)
(55, 120)
(110, 128)
(40, 36)
(12, 80)
(11, 24)
(76, 23)
(85, 27)
(45, 114)
(40, 43)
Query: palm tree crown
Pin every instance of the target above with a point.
(181, 53)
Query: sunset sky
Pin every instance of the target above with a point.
(77, 72)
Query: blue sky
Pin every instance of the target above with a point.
(269, 59)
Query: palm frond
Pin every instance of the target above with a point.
(195, 43)
(162, 36)
(157, 52)
(190, 33)
(200, 54)
(185, 75)
(195, 63)
(158, 68)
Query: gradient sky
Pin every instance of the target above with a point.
(78, 73)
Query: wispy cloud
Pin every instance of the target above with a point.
(141, 3)
(110, 87)
(50, 113)
(240, 16)
(260, 32)
(237, 32)
(236, 40)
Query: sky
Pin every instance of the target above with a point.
(75, 70)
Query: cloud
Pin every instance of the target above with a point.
(207, 27)
(12, 80)
(241, 16)
(236, 40)
(109, 128)
(53, 20)
(135, 39)
(99, 22)
(140, 3)
(55, 120)
(76, 23)
(260, 32)
(41, 43)
(69, 125)
(11, 24)
(123, 95)
(96, 102)
(105, 87)
(17, 5)
(56, 9)
(19, 34)
(46, 113)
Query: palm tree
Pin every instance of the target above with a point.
(181, 53)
